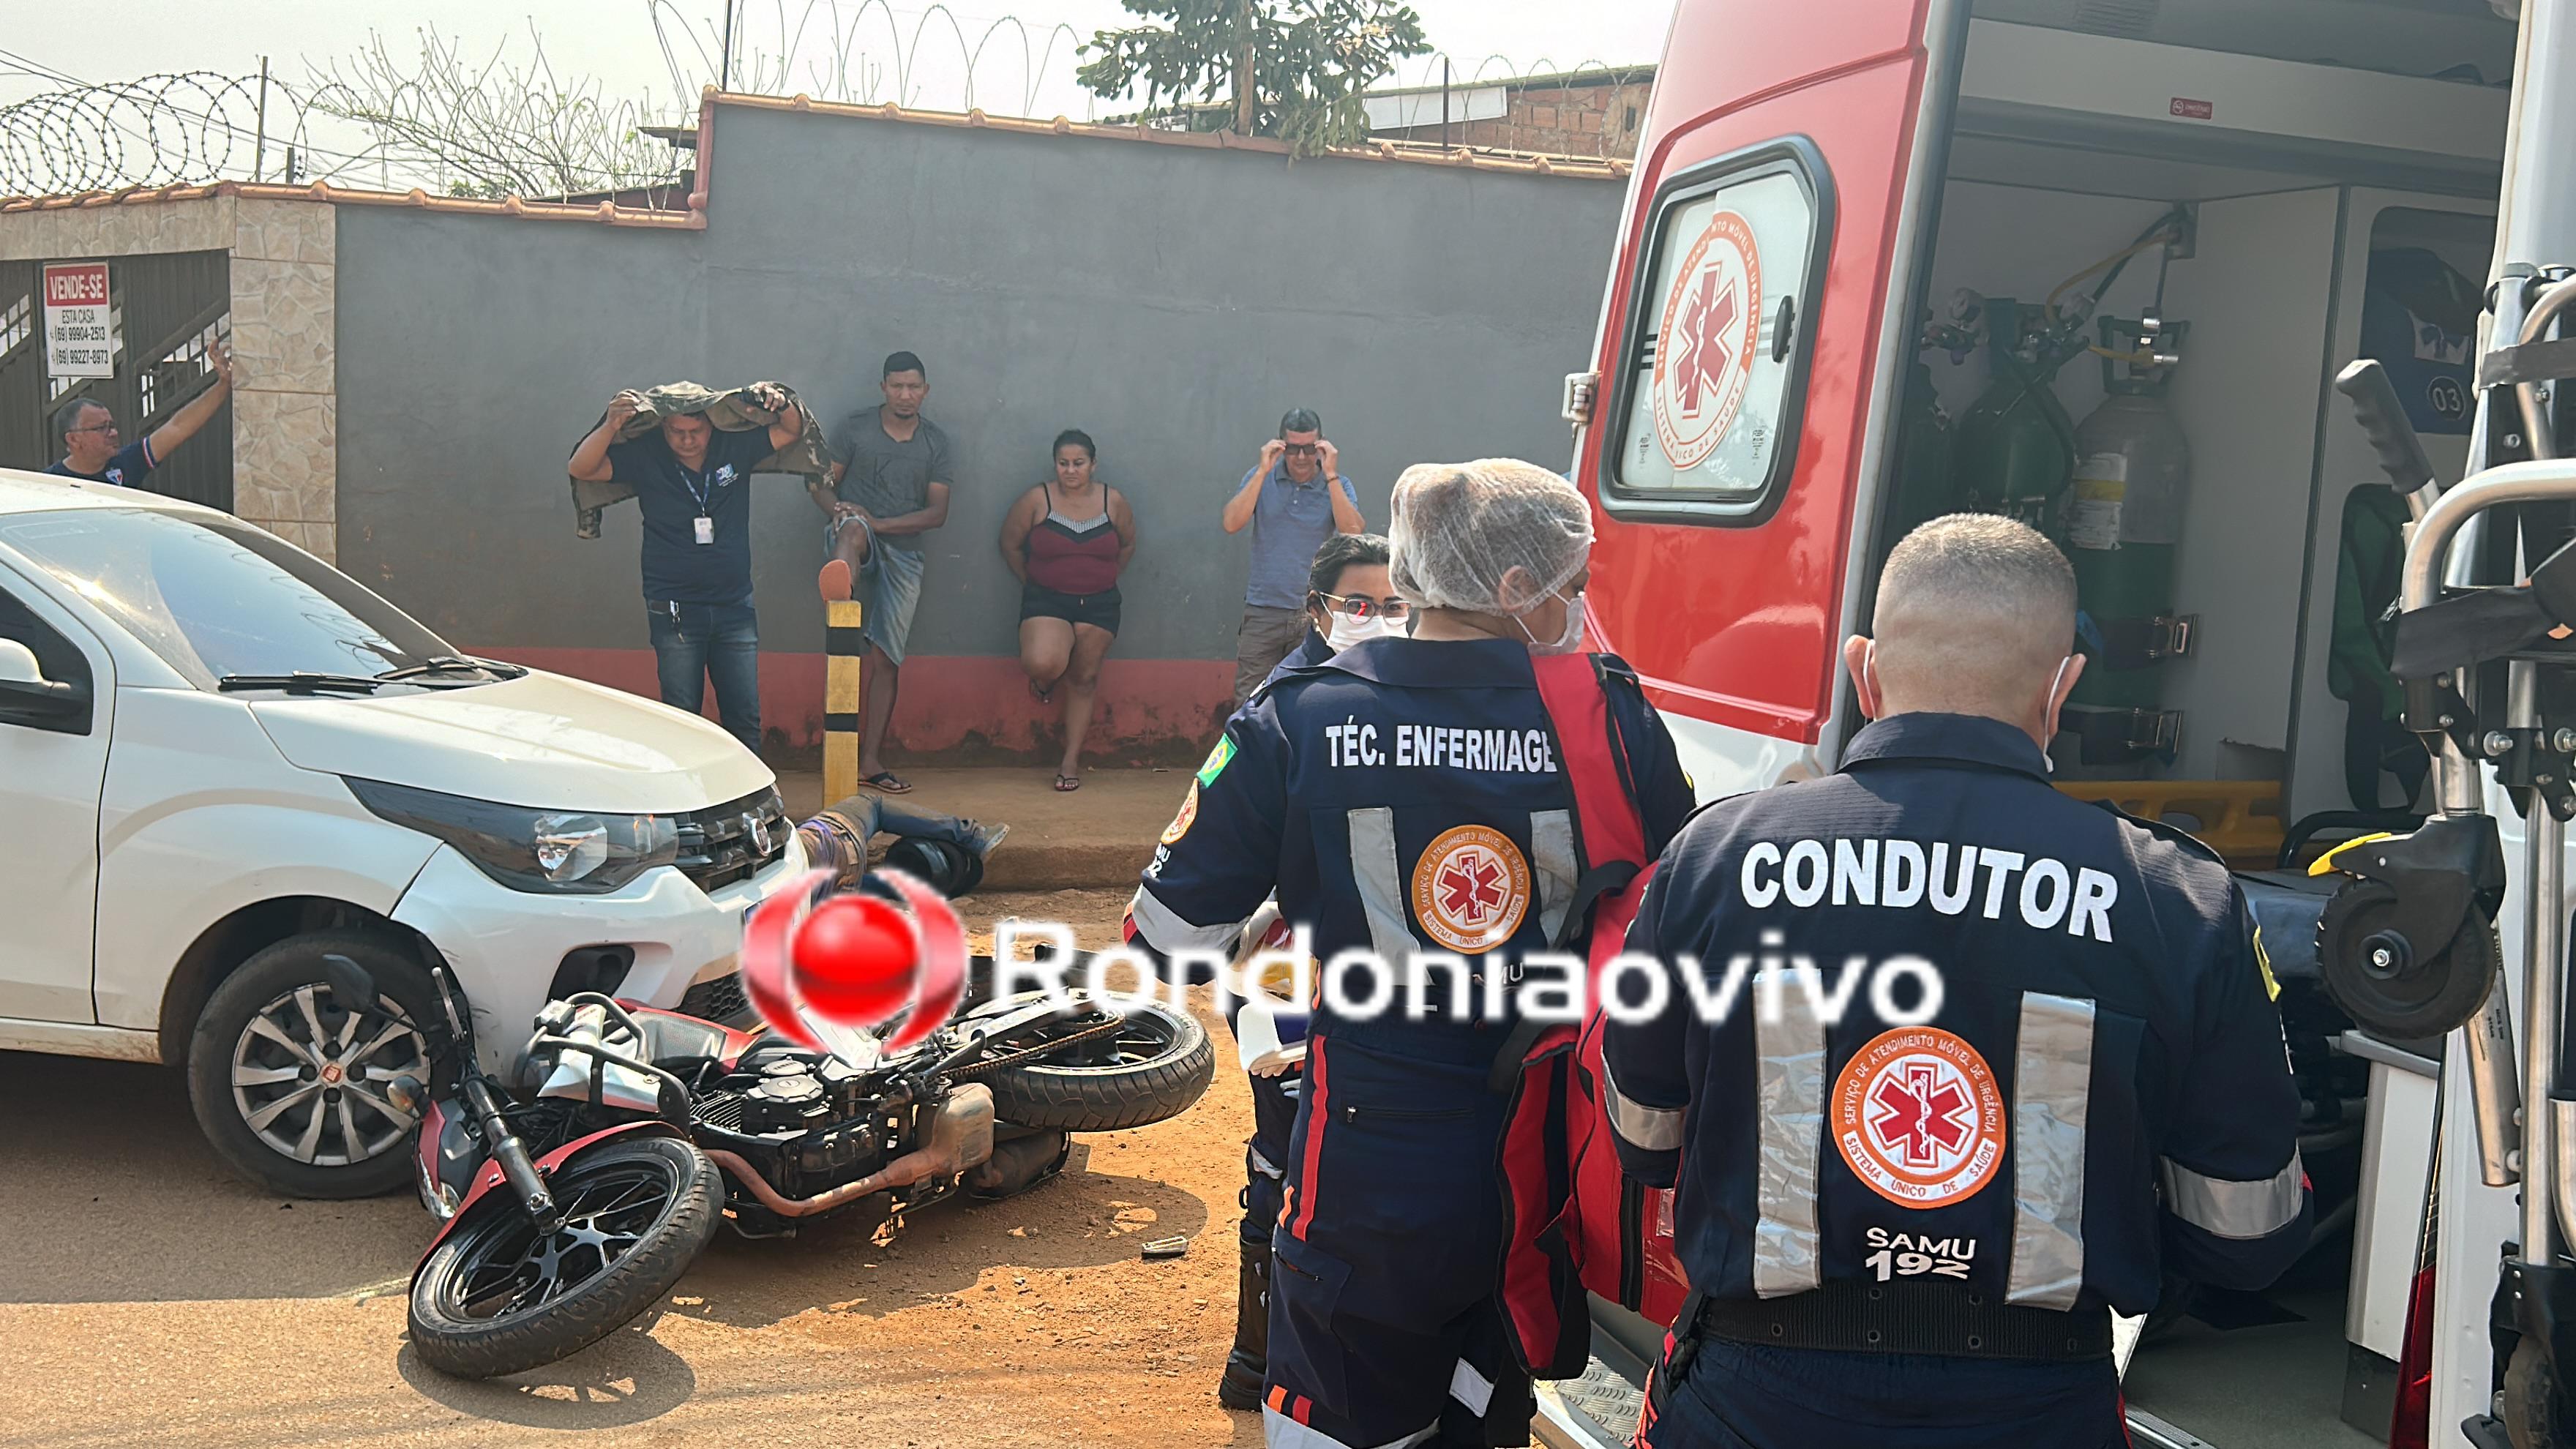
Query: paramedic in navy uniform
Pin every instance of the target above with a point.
(1918, 1234)
(1405, 797)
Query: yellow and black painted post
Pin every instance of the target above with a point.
(841, 649)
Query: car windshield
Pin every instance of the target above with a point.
(217, 598)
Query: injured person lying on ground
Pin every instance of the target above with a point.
(943, 852)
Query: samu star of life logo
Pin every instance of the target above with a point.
(1704, 348)
(1918, 1117)
(1470, 889)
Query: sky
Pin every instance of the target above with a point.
(616, 41)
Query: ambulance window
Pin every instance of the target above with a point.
(1709, 395)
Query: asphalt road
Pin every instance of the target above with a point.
(147, 1296)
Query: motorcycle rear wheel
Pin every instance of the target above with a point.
(1156, 1066)
(498, 1297)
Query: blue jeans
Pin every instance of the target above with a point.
(871, 814)
(695, 642)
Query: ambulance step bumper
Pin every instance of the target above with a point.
(1598, 1410)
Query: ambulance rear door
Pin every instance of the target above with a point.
(1750, 359)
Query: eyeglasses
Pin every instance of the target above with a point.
(1361, 606)
(94, 428)
(1303, 450)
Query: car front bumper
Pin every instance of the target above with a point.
(505, 945)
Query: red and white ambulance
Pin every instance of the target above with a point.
(2098, 261)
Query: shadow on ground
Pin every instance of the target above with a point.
(112, 1196)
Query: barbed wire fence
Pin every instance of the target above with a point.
(485, 124)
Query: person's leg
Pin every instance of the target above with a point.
(848, 545)
(680, 655)
(893, 589)
(733, 662)
(1046, 647)
(1082, 681)
(1267, 636)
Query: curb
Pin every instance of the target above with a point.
(1047, 866)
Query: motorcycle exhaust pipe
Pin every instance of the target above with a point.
(961, 1136)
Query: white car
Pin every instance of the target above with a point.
(221, 759)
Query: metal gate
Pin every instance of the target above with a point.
(163, 312)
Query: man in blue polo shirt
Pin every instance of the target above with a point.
(1293, 499)
(692, 482)
(86, 432)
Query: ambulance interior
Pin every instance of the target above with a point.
(2259, 194)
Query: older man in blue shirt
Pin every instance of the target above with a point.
(1293, 499)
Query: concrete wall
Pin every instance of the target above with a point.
(1170, 300)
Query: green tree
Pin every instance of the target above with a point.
(1292, 69)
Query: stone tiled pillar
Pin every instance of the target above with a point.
(285, 410)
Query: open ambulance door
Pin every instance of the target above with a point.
(1748, 367)
(1744, 397)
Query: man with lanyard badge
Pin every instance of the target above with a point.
(1914, 1232)
(1411, 798)
(691, 482)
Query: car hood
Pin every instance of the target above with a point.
(541, 740)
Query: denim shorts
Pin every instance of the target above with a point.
(888, 589)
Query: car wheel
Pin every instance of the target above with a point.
(289, 1081)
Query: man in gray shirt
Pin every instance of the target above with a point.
(889, 487)
(1293, 499)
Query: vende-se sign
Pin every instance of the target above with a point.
(78, 342)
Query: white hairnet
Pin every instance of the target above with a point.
(1461, 529)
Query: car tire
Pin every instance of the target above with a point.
(283, 1086)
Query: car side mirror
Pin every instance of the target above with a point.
(28, 697)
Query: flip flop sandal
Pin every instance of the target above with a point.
(1068, 782)
(887, 781)
(835, 582)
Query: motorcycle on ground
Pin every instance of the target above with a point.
(573, 1198)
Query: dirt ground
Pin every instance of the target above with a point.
(147, 1296)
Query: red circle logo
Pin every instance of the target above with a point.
(1918, 1117)
(855, 960)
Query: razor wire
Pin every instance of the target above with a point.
(157, 130)
(457, 125)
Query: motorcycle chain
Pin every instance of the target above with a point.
(1047, 1049)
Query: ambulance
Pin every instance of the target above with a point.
(2100, 264)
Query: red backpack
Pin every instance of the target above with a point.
(1560, 1168)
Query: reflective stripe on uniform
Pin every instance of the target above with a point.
(1790, 1080)
(1653, 1129)
(1552, 860)
(1471, 1388)
(1278, 1431)
(1380, 880)
(2052, 1086)
(1164, 930)
(2227, 1209)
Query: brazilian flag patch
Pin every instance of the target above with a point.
(1217, 760)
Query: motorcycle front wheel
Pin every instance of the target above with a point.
(500, 1297)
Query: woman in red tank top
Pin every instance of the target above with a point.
(1067, 540)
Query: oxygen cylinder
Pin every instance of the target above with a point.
(2015, 444)
(1924, 485)
(2122, 522)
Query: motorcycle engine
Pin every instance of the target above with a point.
(788, 1097)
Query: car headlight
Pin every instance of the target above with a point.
(568, 851)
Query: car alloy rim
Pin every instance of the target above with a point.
(309, 1076)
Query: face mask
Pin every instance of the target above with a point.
(1568, 641)
(1347, 631)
